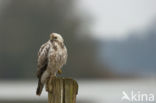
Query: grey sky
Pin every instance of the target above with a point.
(114, 18)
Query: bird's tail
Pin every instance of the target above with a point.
(39, 88)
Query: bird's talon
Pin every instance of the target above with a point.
(59, 71)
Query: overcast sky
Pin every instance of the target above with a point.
(115, 18)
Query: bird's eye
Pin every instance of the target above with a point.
(55, 38)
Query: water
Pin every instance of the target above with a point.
(90, 91)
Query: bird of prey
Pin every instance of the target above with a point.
(52, 56)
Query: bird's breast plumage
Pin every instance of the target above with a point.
(56, 57)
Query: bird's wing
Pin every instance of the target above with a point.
(42, 59)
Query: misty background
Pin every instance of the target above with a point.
(106, 40)
(26, 25)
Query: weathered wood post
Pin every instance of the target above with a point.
(61, 90)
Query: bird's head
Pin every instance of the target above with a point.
(54, 37)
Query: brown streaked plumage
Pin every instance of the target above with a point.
(51, 58)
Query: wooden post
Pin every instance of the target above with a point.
(61, 90)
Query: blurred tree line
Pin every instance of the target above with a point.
(134, 55)
(26, 24)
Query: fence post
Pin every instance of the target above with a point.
(61, 90)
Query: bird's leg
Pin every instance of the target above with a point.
(50, 83)
(59, 71)
(47, 83)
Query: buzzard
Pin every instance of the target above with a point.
(51, 58)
